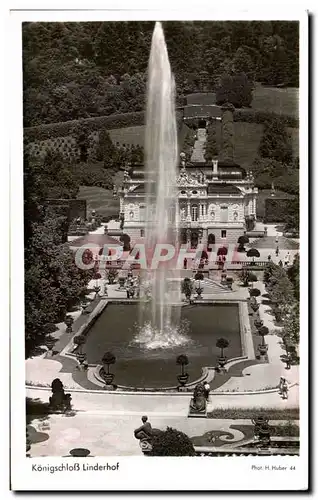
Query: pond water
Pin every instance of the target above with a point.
(147, 359)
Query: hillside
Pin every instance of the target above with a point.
(88, 69)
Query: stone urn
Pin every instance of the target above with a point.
(108, 377)
(84, 306)
(96, 290)
(262, 348)
(198, 289)
(69, 320)
(183, 379)
(258, 323)
(81, 357)
(223, 278)
(221, 362)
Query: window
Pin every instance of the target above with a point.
(183, 192)
(194, 212)
(223, 233)
(142, 233)
(194, 192)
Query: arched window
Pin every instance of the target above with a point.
(194, 212)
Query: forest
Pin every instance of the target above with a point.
(89, 69)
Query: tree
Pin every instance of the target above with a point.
(276, 142)
(108, 359)
(172, 443)
(79, 340)
(106, 151)
(211, 147)
(247, 277)
(235, 89)
(291, 325)
(280, 291)
(243, 63)
(182, 360)
(125, 239)
(242, 240)
(292, 216)
(227, 149)
(53, 282)
(222, 344)
(269, 271)
(293, 274)
(187, 288)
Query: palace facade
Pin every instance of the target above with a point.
(216, 202)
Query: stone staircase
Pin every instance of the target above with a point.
(211, 286)
(199, 146)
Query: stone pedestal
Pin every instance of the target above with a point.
(197, 414)
(182, 389)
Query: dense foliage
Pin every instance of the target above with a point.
(172, 443)
(90, 69)
(276, 142)
(283, 291)
(235, 89)
(211, 145)
(53, 282)
(275, 164)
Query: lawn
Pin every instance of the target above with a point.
(271, 99)
(100, 199)
(247, 139)
(128, 135)
(280, 101)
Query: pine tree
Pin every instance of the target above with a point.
(276, 142)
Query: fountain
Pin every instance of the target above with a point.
(161, 151)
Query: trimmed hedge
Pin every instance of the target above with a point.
(63, 129)
(249, 116)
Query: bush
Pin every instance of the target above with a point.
(172, 443)
(235, 89)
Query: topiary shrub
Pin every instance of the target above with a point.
(172, 443)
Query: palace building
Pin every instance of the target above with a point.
(216, 200)
(216, 203)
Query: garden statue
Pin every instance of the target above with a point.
(59, 400)
(145, 433)
(198, 402)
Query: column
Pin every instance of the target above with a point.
(188, 210)
(254, 205)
